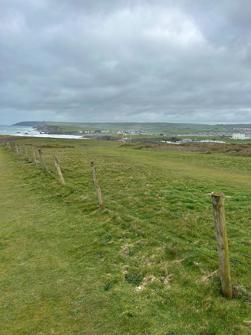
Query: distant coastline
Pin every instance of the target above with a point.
(28, 131)
(132, 131)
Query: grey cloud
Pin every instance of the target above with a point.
(125, 60)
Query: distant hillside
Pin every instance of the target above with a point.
(28, 124)
(154, 128)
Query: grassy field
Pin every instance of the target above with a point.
(144, 265)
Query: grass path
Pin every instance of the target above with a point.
(41, 290)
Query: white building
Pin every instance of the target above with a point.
(238, 136)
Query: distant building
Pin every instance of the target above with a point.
(238, 136)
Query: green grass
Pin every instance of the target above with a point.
(144, 265)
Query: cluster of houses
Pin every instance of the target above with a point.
(131, 132)
(241, 136)
(118, 132)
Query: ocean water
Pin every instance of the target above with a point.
(17, 131)
(31, 132)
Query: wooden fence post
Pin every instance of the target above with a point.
(27, 155)
(21, 150)
(59, 171)
(41, 159)
(98, 189)
(17, 148)
(34, 156)
(222, 243)
(12, 146)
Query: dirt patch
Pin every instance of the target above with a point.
(4, 139)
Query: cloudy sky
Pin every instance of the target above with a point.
(125, 60)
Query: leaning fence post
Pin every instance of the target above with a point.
(27, 154)
(22, 150)
(42, 162)
(34, 156)
(59, 171)
(13, 146)
(26, 151)
(222, 243)
(98, 189)
(17, 148)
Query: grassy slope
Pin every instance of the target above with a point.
(67, 268)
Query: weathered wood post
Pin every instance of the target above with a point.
(222, 243)
(98, 189)
(22, 150)
(27, 155)
(17, 148)
(34, 156)
(41, 159)
(13, 148)
(59, 171)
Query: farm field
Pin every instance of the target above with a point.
(146, 264)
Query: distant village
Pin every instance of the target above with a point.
(114, 132)
(241, 136)
(118, 132)
(126, 135)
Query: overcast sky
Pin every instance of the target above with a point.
(130, 60)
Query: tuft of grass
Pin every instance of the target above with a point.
(134, 278)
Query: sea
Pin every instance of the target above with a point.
(32, 132)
